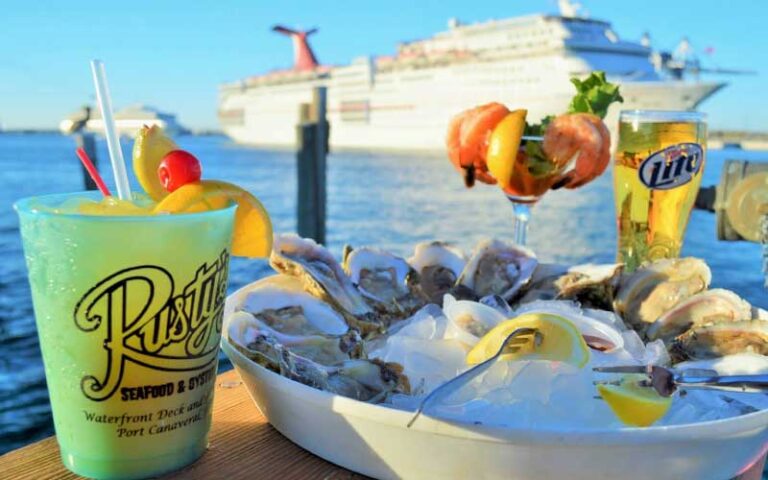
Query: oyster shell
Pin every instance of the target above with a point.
(360, 379)
(497, 303)
(292, 312)
(385, 280)
(439, 265)
(323, 277)
(720, 339)
(498, 268)
(245, 328)
(706, 308)
(591, 285)
(468, 321)
(653, 289)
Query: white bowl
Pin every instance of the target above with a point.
(373, 440)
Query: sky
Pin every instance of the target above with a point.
(173, 54)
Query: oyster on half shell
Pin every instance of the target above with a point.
(498, 268)
(706, 308)
(323, 277)
(591, 285)
(292, 312)
(653, 289)
(469, 321)
(323, 349)
(439, 265)
(721, 339)
(387, 282)
(365, 380)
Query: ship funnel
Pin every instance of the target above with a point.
(303, 57)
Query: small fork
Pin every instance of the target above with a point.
(513, 343)
(666, 380)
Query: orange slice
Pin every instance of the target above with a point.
(503, 146)
(253, 227)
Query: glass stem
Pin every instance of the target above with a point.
(522, 216)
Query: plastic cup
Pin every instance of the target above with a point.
(128, 312)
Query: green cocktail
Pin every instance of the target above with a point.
(128, 311)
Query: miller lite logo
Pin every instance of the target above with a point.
(672, 167)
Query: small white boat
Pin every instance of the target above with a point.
(128, 121)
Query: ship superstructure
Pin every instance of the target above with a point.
(404, 101)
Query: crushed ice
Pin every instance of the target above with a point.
(540, 394)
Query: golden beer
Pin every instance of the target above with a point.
(659, 163)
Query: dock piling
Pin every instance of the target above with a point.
(87, 142)
(312, 148)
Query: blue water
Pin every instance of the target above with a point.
(385, 200)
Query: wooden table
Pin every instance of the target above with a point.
(242, 445)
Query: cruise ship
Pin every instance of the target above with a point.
(404, 101)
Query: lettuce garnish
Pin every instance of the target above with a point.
(594, 95)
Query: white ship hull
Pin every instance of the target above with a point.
(269, 120)
(404, 104)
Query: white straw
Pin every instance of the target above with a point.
(113, 140)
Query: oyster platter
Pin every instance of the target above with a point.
(340, 355)
(491, 364)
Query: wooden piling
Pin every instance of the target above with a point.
(87, 142)
(312, 148)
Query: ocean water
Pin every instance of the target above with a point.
(373, 199)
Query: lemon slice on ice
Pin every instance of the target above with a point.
(560, 341)
(253, 228)
(635, 405)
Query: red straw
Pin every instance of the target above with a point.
(93, 172)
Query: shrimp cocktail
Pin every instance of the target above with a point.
(128, 299)
(494, 145)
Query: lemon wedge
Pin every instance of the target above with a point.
(150, 147)
(252, 236)
(635, 405)
(503, 146)
(560, 341)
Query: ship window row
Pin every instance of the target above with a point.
(503, 80)
(539, 32)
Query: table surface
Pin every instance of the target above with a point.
(242, 444)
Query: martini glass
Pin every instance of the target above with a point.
(524, 189)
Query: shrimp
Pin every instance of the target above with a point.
(467, 140)
(580, 139)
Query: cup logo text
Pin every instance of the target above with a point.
(142, 321)
(672, 167)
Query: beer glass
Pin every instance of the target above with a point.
(659, 163)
